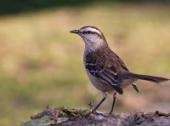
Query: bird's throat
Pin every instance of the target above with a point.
(93, 46)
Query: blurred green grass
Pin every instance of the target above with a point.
(41, 62)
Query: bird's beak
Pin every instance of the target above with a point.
(75, 31)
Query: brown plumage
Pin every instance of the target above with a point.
(105, 69)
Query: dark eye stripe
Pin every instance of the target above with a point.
(89, 32)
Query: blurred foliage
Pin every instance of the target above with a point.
(41, 62)
(17, 6)
(14, 6)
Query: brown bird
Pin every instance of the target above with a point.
(106, 71)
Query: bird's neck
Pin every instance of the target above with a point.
(95, 48)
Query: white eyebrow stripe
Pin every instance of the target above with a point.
(93, 30)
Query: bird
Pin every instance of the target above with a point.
(105, 69)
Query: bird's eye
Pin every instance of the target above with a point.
(88, 32)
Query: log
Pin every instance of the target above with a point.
(76, 117)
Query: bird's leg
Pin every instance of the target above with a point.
(113, 103)
(98, 105)
(135, 87)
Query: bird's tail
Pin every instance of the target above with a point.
(146, 77)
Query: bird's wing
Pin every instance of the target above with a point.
(117, 62)
(123, 67)
(106, 72)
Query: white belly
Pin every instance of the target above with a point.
(103, 86)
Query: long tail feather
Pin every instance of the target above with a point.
(147, 77)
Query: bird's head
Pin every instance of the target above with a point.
(92, 36)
